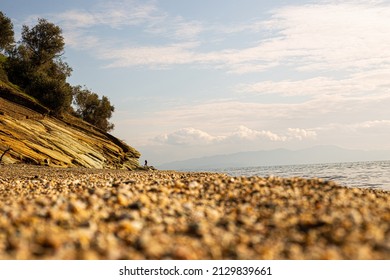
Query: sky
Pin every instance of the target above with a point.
(198, 78)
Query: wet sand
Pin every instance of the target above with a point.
(56, 213)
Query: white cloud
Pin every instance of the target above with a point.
(372, 82)
(124, 14)
(370, 128)
(114, 14)
(333, 36)
(153, 56)
(375, 128)
(301, 134)
(374, 123)
(80, 40)
(243, 134)
(187, 29)
(77, 19)
(187, 136)
(175, 28)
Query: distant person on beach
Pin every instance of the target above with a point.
(146, 163)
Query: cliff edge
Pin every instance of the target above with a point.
(36, 136)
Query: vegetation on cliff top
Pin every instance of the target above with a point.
(34, 65)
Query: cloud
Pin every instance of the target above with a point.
(187, 136)
(196, 137)
(187, 29)
(167, 56)
(376, 128)
(326, 36)
(373, 81)
(77, 19)
(301, 134)
(370, 128)
(157, 57)
(127, 13)
(115, 14)
(245, 133)
(80, 40)
(335, 35)
(175, 28)
(307, 37)
(124, 15)
(80, 25)
(375, 123)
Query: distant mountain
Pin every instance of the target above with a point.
(317, 154)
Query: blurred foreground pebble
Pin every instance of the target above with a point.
(54, 213)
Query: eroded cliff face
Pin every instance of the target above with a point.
(38, 138)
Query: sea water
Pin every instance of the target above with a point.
(373, 174)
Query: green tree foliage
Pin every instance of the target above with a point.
(92, 109)
(18, 66)
(6, 42)
(6, 32)
(3, 73)
(37, 67)
(44, 41)
(53, 93)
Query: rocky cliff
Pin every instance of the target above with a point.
(34, 135)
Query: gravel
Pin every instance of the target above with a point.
(58, 213)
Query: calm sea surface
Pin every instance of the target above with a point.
(373, 174)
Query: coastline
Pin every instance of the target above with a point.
(78, 213)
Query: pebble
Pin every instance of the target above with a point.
(58, 213)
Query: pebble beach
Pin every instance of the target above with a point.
(70, 213)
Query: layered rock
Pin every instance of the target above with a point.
(37, 137)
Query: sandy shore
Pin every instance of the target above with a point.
(49, 213)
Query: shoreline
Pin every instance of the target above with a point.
(78, 213)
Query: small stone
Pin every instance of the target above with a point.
(136, 205)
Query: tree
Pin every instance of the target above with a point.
(103, 113)
(19, 67)
(92, 109)
(53, 93)
(6, 32)
(44, 40)
(36, 66)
